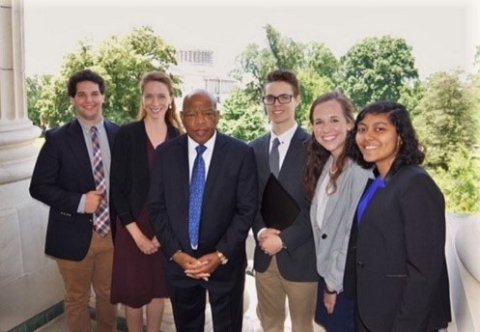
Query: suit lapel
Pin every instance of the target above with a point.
(110, 133)
(264, 166)
(181, 163)
(79, 150)
(294, 152)
(218, 158)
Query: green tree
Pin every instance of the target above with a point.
(446, 125)
(242, 118)
(444, 119)
(313, 63)
(35, 86)
(376, 69)
(121, 60)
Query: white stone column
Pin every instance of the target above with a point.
(29, 281)
(17, 153)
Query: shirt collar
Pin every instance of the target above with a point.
(286, 136)
(208, 144)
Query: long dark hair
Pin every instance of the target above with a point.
(411, 152)
(317, 155)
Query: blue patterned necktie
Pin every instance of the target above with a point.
(197, 186)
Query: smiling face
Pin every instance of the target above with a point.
(330, 126)
(200, 117)
(88, 101)
(156, 100)
(378, 141)
(281, 115)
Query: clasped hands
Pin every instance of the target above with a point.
(270, 241)
(201, 268)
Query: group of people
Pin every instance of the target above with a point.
(161, 208)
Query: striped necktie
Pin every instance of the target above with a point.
(101, 222)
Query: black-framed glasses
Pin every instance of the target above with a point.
(282, 99)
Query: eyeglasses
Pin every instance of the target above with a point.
(282, 99)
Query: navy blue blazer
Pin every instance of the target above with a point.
(229, 205)
(402, 281)
(62, 174)
(298, 261)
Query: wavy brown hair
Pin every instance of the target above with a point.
(317, 155)
(171, 116)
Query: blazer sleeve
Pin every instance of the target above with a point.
(423, 212)
(45, 185)
(120, 173)
(159, 218)
(245, 209)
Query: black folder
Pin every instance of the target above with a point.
(279, 209)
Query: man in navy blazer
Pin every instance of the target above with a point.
(284, 261)
(217, 262)
(63, 179)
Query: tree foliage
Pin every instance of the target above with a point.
(241, 118)
(313, 62)
(446, 125)
(121, 60)
(377, 68)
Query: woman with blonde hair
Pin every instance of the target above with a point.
(138, 279)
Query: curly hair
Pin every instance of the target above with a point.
(411, 152)
(82, 76)
(317, 155)
(171, 116)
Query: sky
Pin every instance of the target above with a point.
(442, 33)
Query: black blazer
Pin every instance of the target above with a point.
(402, 281)
(298, 261)
(129, 172)
(229, 205)
(62, 174)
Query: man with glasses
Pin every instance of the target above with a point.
(284, 259)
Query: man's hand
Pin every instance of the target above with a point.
(192, 267)
(92, 200)
(266, 232)
(271, 244)
(211, 262)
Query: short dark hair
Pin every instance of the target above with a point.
(411, 152)
(85, 75)
(286, 76)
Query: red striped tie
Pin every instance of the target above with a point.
(101, 222)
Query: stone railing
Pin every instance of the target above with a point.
(463, 261)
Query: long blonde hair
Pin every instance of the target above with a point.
(171, 116)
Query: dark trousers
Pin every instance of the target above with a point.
(226, 302)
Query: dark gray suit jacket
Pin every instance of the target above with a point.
(297, 262)
(229, 206)
(62, 174)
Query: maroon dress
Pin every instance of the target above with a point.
(137, 278)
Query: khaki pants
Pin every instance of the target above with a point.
(78, 277)
(273, 289)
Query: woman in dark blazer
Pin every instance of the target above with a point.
(138, 277)
(402, 282)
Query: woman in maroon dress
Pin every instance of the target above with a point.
(138, 278)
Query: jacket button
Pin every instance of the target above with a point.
(360, 264)
(324, 236)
